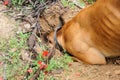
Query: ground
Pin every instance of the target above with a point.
(77, 70)
(7, 24)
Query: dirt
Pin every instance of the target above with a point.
(7, 24)
(77, 70)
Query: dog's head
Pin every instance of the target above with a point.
(52, 36)
(49, 38)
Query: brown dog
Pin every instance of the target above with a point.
(93, 34)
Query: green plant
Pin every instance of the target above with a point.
(58, 63)
(20, 3)
(67, 3)
(11, 56)
(16, 67)
(17, 2)
(54, 64)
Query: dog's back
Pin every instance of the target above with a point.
(105, 23)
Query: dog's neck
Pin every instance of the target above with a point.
(59, 38)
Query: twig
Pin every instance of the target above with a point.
(4, 70)
(77, 6)
(36, 74)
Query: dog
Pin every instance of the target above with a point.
(93, 34)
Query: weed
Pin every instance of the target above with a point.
(20, 3)
(11, 55)
(16, 67)
(17, 2)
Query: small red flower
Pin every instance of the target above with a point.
(45, 53)
(39, 62)
(42, 65)
(30, 70)
(6, 2)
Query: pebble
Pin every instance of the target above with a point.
(108, 73)
(27, 26)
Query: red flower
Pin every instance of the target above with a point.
(39, 62)
(42, 65)
(6, 2)
(45, 53)
(30, 70)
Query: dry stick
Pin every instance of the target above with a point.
(23, 19)
(40, 9)
(4, 69)
(36, 74)
(27, 73)
(32, 39)
(78, 6)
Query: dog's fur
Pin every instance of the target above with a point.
(94, 33)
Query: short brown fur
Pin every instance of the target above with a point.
(94, 33)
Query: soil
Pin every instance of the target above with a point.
(7, 25)
(77, 70)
